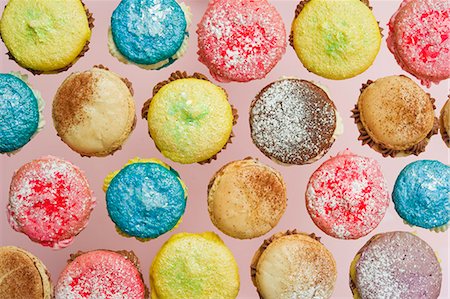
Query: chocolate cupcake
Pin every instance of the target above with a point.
(395, 116)
(293, 265)
(189, 118)
(293, 121)
(395, 265)
(445, 123)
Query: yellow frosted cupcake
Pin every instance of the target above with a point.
(197, 266)
(46, 36)
(335, 39)
(189, 118)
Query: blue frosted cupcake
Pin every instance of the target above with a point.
(422, 194)
(151, 34)
(20, 112)
(145, 199)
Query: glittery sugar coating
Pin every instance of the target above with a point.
(398, 265)
(422, 194)
(50, 201)
(241, 40)
(148, 31)
(100, 274)
(347, 196)
(419, 38)
(145, 200)
(19, 113)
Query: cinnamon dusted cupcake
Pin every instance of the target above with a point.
(293, 121)
(395, 116)
(445, 123)
(189, 118)
(101, 274)
(94, 111)
(293, 265)
(46, 36)
(395, 265)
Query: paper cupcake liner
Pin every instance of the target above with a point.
(91, 20)
(438, 229)
(444, 133)
(302, 4)
(266, 243)
(129, 255)
(183, 75)
(365, 138)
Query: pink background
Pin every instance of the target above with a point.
(100, 232)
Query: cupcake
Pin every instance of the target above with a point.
(23, 275)
(151, 34)
(445, 123)
(335, 39)
(294, 122)
(422, 194)
(50, 201)
(240, 40)
(395, 117)
(246, 198)
(46, 36)
(293, 265)
(94, 112)
(101, 274)
(395, 265)
(21, 112)
(347, 196)
(145, 199)
(189, 118)
(419, 39)
(194, 266)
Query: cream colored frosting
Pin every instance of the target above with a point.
(181, 51)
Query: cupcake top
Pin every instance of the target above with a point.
(23, 275)
(189, 118)
(241, 40)
(422, 194)
(396, 265)
(347, 196)
(101, 274)
(50, 201)
(49, 36)
(395, 116)
(148, 31)
(445, 123)
(94, 111)
(293, 121)
(246, 198)
(419, 39)
(293, 265)
(20, 112)
(194, 266)
(345, 43)
(146, 198)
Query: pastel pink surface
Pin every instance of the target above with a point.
(50, 201)
(347, 196)
(101, 233)
(419, 38)
(241, 40)
(100, 274)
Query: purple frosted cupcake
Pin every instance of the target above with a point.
(395, 265)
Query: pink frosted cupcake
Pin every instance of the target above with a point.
(241, 40)
(419, 38)
(50, 201)
(101, 274)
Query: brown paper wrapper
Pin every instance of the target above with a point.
(91, 20)
(129, 255)
(381, 148)
(183, 75)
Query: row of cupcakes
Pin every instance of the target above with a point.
(292, 121)
(289, 264)
(239, 40)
